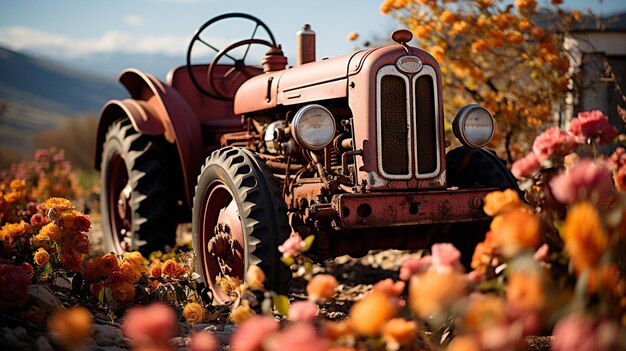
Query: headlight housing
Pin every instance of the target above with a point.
(473, 126)
(313, 127)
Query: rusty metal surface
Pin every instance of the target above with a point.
(401, 209)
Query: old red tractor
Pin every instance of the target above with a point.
(350, 149)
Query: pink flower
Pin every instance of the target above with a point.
(541, 255)
(414, 266)
(302, 311)
(150, 327)
(389, 287)
(203, 341)
(526, 166)
(14, 282)
(446, 257)
(576, 332)
(292, 246)
(553, 142)
(580, 182)
(594, 126)
(322, 287)
(252, 333)
(301, 337)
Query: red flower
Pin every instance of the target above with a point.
(14, 282)
(594, 126)
(526, 166)
(553, 142)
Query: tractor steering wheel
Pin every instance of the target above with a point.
(230, 80)
(197, 38)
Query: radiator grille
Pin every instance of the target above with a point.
(394, 129)
(426, 128)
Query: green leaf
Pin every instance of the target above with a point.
(101, 295)
(308, 266)
(288, 260)
(281, 302)
(308, 242)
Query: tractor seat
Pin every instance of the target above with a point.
(214, 115)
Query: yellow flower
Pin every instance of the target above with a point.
(17, 185)
(242, 313)
(432, 293)
(369, 315)
(58, 203)
(399, 331)
(584, 236)
(353, 36)
(497, 202)
(71, 327)
(41, 256)
(255, 277)
(193, 313)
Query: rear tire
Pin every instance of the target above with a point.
(239, 218)
(138, 197)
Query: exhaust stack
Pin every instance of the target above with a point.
(305, 45)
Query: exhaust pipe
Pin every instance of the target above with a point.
(305, 45)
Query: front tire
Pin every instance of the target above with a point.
(138, 197)
(239, 219)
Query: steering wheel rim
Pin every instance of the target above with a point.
(196, 38)
(240, 67)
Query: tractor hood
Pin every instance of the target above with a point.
(315, 81)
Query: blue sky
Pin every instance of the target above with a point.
(71, 28)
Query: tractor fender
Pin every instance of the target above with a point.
(157, 109)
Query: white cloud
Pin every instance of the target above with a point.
(133, 20)
(21, 38)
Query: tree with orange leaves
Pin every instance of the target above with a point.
(495, 53)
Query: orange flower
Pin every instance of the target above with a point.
(498, 202)
(479, 45)
(172, 269)
(71, 327)
(75, 220)
(17, 185)
(483, 254)
(577, 15)
(194, 313)
(110, 263)
(524, 24)
(515, 37)
(537, 32)
(135, 257)
(464, 343)
(526, 5)
(447, 17)
(515, 231)
(156, 270)
(584, 236)
(336, 330)
(123, 292)
(322, 287)
(58, 203)
(399, 331)
(438, 52)
(368, 315)
(605, 278)
(459, 27)
(94, 269)
(51, 231)
(13, 197)
(130, 271)
(242, 313)
(386, 7)
(484, 312)
(14, 230)
(71, 262)
(353, 36)
(255, 277)
(525, 291)
(41, 256)
(432, 293)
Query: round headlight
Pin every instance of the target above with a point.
(313, 127)
(473, 126)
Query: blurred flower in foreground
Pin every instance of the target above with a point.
(399, 331)
(432, 293)
(389, 287)
(255, 277)
(150, 327)
(484, 312)
(369, 314)
(515, 231)
(576, 332)
(252, 333)
(241, 313)
(584, 180)
(292, 246)
(14, 282)
(446, 257)
(584, 236)
(322, 287)
(414, 266)
(301, 337)
(203, 341)
(71, 327)
(302, 311)
(497, 202)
